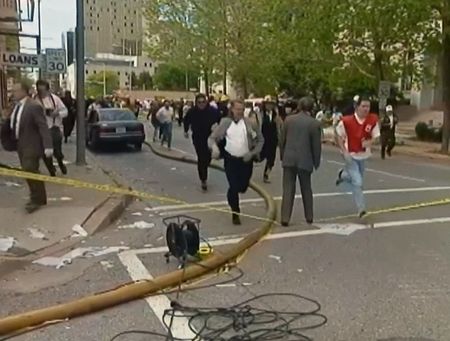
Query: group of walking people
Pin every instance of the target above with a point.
(35, 128)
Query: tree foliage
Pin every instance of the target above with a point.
(94, 84)
(169, 77)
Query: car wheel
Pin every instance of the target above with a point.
(138, 146)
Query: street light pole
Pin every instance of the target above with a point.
(39, 37)
(104, 80)
(81, 124)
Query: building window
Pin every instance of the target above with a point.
(132, 31)
(98, 28)
(145, 64)
(125, 24)
(87, 72)
(126, 73)
(95, 72)
(118, 73)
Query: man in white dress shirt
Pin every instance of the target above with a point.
(55, 111)
(242, 142)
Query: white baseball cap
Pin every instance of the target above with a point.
(389, 108)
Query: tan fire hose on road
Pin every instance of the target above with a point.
(141, 289)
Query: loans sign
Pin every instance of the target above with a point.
(20, 59)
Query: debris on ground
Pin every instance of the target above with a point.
(82, 252)
(35, 233)
(141, 225)
(6, 243)
(79, 231)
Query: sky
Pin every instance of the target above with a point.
(58, 16)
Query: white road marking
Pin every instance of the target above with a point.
(382, 172)
(158, 304)
(317, 195)
(296, 234)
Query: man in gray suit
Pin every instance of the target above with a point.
(27, 125)
(301, 148)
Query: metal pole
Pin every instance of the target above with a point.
(39, 37)
(81, 123)
(104, 80)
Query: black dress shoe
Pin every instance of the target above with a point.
(339, 178)
(309, 221)
(204, 186)
(32, 207)
(362, 214)
(63, 168)
(236, 219)
(284, 224)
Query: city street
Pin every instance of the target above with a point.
(382, 278)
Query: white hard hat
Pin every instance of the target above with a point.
(389, 108)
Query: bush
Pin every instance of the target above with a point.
(427, 133)
(422, 131)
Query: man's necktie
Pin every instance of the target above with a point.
(15, 119)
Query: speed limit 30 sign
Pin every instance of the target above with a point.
(56, 60)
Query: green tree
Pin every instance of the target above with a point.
(134, 81)
(145, 80)
(95, 84)
(182, 33)
(169, 77)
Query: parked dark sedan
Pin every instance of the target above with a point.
(114, 125)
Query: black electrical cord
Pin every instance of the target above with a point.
(244, 321)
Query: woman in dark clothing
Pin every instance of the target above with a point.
(69, 121)
(271, 130)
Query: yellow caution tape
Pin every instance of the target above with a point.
(116, 190)
(165, 199)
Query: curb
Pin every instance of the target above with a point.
(144, 288)
(101, 216)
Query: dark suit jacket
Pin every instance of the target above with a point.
(301, 142)
(34, 135)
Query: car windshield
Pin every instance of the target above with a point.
(116, 115)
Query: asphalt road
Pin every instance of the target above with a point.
(384, 278)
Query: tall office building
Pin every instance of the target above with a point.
(113, 26)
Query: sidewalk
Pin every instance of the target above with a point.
(22, 233)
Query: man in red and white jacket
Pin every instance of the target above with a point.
(355, 136)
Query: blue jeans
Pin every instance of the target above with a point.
(166, 129)
(353, 176)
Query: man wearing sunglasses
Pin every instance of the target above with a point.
(200, 119)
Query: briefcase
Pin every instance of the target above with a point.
(8, 140)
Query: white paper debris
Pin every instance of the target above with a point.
(36, 233)
(12, 184)
(141, 225)
(148, 245)
(65, 199)
(342, 229)
(299, 270)
(148, 209)
(137, 214)
(277, 258)
(79, 231)
(173, 168)
(107, 264)
(6, 243)
(160, 238)
(82, 252)
(246, 284)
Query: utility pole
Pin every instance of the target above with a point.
(39, 37)
(81, 123)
